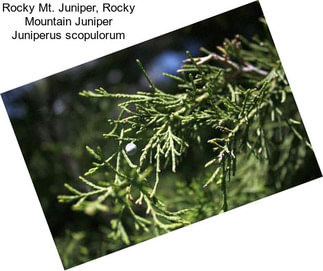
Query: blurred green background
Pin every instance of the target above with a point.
(53, 124)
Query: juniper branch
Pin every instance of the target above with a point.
(237, 95)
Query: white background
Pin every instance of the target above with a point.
(280, 232)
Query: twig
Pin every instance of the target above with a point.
(227, 62)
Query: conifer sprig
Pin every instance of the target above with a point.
(237, 95)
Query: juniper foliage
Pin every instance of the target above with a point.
(235, 102)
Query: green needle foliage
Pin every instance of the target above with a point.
(233, 107)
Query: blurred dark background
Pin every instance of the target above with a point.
(53, 124)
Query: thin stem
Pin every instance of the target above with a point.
(224, 189)
(227, 62)
(117, 179)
